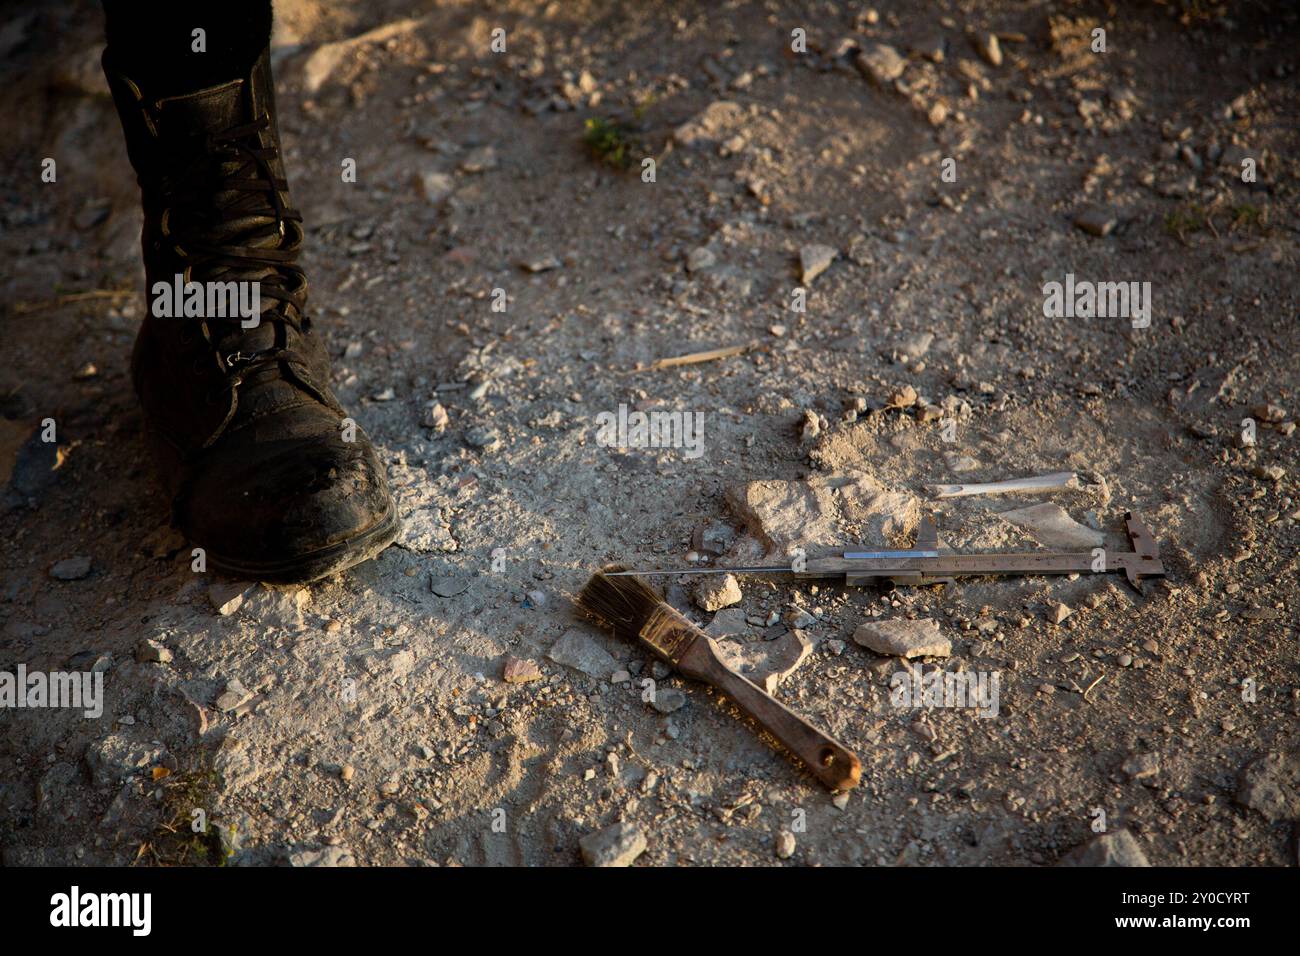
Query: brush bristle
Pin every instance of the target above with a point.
(622, 604)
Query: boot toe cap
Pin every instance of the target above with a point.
(290, 507)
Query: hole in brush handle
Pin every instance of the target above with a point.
(830, 761)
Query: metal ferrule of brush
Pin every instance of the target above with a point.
(669, 633)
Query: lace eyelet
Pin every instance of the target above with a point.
(197, 366)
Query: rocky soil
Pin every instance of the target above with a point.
(500, 274)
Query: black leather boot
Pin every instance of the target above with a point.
(266, 472)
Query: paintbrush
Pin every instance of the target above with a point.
(636, 613)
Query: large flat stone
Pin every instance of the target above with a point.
(277, 607)
(575, 649)
(1270, 785)
(618, 845)
(902, 638)
(1120, 848)
(322, 63)
(823, 511)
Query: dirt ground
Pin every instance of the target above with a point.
(365, 719)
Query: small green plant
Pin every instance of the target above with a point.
(174, 841)
(608, 142)
(1184, 220)
(1249, 217)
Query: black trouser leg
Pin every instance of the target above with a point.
(154, 41)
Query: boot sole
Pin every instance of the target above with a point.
(321, 563)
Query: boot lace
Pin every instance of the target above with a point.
(227, 221)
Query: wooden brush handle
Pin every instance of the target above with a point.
(830, 761)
